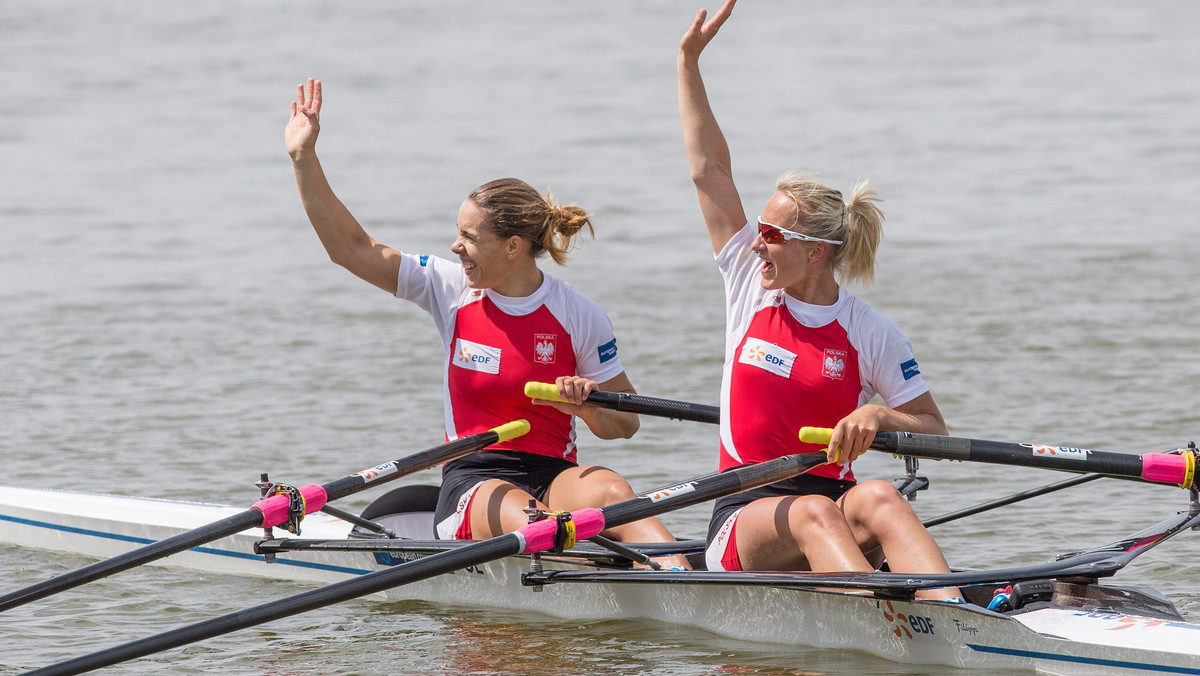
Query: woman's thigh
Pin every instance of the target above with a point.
(590, 486)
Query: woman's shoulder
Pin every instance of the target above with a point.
(859, 316)
(563, 291)
(422, 279)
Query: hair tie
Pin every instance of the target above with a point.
(560, 217)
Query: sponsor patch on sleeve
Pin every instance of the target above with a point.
(424, 259)
(909, 369)
(608, 351)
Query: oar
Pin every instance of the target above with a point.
(535, 537)
(1163, 468)
(634, 403)
(271, 511)
(1011, 499)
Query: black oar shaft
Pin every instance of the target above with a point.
(151, 552)
(1006, 453)
(1011, 499)
(413, 571)
(710, 487)
(255, 517)
(682, 495)
(635, 403)
(679, 410)
(369, 478)
(1164, 468)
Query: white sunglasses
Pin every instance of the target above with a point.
(773, 234)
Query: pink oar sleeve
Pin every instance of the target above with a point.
(539, 535)
(275, 508)
(1164, 468)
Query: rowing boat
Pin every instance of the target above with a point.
(1062, 619)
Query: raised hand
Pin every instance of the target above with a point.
(700, 33)
(300, 134)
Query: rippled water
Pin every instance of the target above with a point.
(171, 326)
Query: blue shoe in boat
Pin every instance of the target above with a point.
(1001, 600)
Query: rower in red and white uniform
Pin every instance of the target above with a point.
(802, 351)
(503, 322)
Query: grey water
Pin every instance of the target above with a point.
(171, 327)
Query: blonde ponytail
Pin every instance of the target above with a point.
(857, 221)
(864, 229)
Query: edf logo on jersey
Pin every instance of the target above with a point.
(476, 357)
(767, 356)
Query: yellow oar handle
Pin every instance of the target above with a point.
(816, 435)
(547, 391)
(822, 436)
(512, 430)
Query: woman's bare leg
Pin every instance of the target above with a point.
(498, 508)
(804, 532)
(581, 487)
(884, 525)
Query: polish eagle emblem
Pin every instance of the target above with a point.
(543, 348)
(834, 365)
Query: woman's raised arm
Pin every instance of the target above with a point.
(707, 150)
(345, 240)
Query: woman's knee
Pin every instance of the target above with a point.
(814, 513)
(876, 504)
(794, 517)
(874, 495)
(612, 487)
(588, 487)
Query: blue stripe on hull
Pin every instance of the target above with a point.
(202, 550)
(1096, 661)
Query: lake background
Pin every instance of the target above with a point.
(171, 327)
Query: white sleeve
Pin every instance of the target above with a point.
(888, 366)
(434, 284)
(593, 339)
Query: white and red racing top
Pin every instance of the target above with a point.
(789, 364)
(495, 344)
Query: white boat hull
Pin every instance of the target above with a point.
(1054, 639)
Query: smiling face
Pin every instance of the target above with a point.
(784, 264)
(800, 268)
(486, 258)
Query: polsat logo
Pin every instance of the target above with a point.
(906, 625)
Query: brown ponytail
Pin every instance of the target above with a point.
(512, 207)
